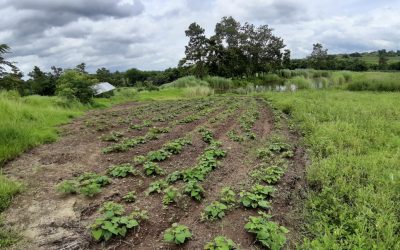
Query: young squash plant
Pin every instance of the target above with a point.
(113, 222)
(87, 184)
(216, 210)
(122, 170)
(171, 194)
(194, 190)
(157, 186)
(130, 197)
(221, 243)
(228, 196)
(268, 233)
(257, 197)
(177, 234)
(152, 168)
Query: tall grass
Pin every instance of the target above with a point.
(187, 81)
(376, 81)
(198, 91)
(354, 141)
(219, 84)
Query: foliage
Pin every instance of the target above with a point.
(113, 136)
(221, 243)
(174, 177)
(194, 189)
(171, 194)
(353, 149)
(88, 184)
(8, 189)
(177, 234)
(268, 233)
(129, 197)
(228, 196)
(257, 196)
(216, 210)
(75, 86)
(152, 168)
(113, 222)
(157, 186)
(159, 155)
(207, 135)
(122, 170)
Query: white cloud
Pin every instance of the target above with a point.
(150, 34)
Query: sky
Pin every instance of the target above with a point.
(149, 34)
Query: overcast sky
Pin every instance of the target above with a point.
(149, 34)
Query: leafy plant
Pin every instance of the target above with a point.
(159, 155)
(113, 136)
(270, 175)
(173, 147)
(88, 184)
(249, 199)
(113, 222)
(234, 136)
(170, 195)
(68, 187)
(90, 189)
(174, 177)
(228, 196)
(268, 233)
(177, 234)
(157, 186)
(140, 159)
(216, 210)
(221, 243)
(130, 197)
(206, 134)
(194, 189)
(122, 170)
(152, 168)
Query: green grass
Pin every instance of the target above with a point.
(354, 178)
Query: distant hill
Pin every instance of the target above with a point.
(372, 57)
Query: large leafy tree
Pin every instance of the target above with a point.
(319, 56)
(4, 49)
(234, 49)
(196, 50)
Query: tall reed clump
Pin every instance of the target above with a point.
(187, 81)
(198, 91)
(375, 84)
(219, 84)
(300, 82)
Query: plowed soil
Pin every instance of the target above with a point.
(48, 219)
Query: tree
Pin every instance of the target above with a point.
(81, 68)
(286, 59)
(196, 50)
(4, 49)
(383, 60)
(75, 85)
(104, 75)
(318, 57)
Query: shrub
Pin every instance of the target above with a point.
(177, 234)
(268, 233)
(75, 85)
(221, 243)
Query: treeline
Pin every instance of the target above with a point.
(321, 60)
(76, 82)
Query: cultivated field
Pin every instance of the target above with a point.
(210, 164)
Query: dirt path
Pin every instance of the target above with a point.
(49, 220)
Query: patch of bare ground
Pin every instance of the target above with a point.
(49, 220)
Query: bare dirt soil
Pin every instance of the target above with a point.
(48, 219)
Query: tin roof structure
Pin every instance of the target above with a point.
(102, 87)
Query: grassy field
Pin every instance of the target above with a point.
(354, 141)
